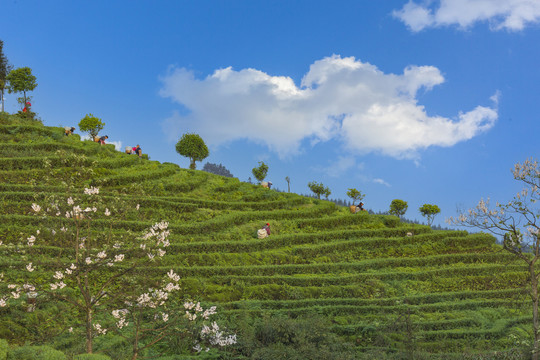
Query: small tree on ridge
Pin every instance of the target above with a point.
(193, 147)
(21, 80)
(319, 189)
(355, 195)
(398, 207)
(429, 211)
(91, 124)
(260, 171)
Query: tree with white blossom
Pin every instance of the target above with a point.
(517, 222)
(92, 279)
(89, 278)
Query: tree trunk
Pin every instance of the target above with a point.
(534, 296)
(89, 331)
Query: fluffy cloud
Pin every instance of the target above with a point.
(501, 14)
(339, 98)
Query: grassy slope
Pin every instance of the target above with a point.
(457, 291)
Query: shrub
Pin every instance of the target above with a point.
(4, 347)
(91, 357)
(35, 353)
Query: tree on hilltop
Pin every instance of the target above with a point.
(429, 211)
(355, 195)
(193, 147)
(319, 189)
(21, 80)
(5, 69)
(260, 171)
(91, 124)
(398, 207)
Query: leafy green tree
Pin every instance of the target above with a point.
(429, 211)
(398, 207)
(21, 80)
(517, 222)
(260, 171)
(5, 69)
(327, 193)
(91, 124)
(355, 195)
(319, 189)
(193, 147)
(288, 180)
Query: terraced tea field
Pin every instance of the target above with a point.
(440, 292)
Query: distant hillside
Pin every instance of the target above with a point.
(383, 286)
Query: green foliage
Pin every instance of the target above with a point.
(429, 211)
(398, 207)
(279, 337)
(35, 353)
(319, 189)
(355, 195)
(91, 357)
(193, 147)
(91, 124)
(260, 171)
(4, 348)
(21, 80)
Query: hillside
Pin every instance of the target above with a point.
(361, 275)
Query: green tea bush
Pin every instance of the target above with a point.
(91, 357)
(4, 348)
(35, 353)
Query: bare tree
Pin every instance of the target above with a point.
(518, 224)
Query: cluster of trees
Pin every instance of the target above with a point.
(193, 147)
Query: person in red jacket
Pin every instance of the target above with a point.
(267, 228)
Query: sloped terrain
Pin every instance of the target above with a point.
(379, 287)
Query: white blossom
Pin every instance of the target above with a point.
(91, 191)
(99, 329)
(171, 274)
(36, 208)
(29, 267)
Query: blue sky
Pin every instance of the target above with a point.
(425, 101)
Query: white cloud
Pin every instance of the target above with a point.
(117, 145)
(382, 182)
(338, 98)
(511, 15)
